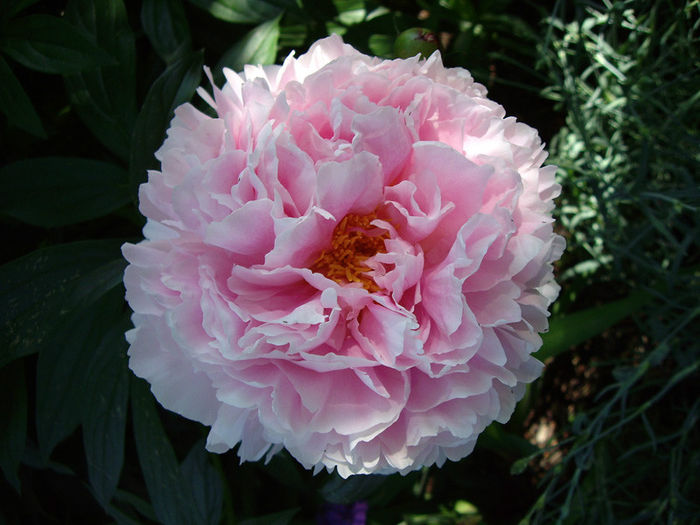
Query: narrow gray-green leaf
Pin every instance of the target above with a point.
(202, 483)
(570, 330)
(51, 45)
(159, 466)
(13, 424)
(259, 46)
(15, 103)
(105, 97)
(56, 191)
(39, 290)
(173, 87)
(239, 11)
(104, 417)
(62, 378)
(166, 27)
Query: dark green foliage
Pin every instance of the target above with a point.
(13, 425)
(51, 45)
(87, 91)
(15, 103)
(173, 87)
(57, 191)
(105, 97)
(167, 29)
(104, 418)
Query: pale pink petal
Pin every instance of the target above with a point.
(432, 340)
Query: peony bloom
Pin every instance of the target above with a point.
(352, 260)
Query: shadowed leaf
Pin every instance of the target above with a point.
(51, 45)
(166, 27)
(38, 291)
(57, 191)
(173, 87)
(13, 424)
(104, 417)
(105, 97)
(61, 377)
(15, 103)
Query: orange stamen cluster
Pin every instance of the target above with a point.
(354, 241)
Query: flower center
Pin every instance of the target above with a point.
(354, 241)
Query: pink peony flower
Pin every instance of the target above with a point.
(352, 261)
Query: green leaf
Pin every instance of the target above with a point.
(259, 46)
(15, 6)
(57, 191)
(283, 469)
(121, 518)
(165, 25)
(140, 505)
(505, 444)
(105, 97)
(350, 11)
(104, 417)
(38, 291)
(519, 466)
(13, 424)
(158, 463)
(570, 330)
(173, 87)
(382, 45)
(277, 518)
(15, 103)
(51, 45)
(239, 11)
(61, 377)
(201, 480)
(355, 488)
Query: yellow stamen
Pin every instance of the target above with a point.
(354, 241)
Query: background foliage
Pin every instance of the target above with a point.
(608, 435)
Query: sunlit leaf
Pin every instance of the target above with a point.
(350, 11)
(13, 424)
(382, 45)
(166, 27)
(56, 191)
(257, 47)
(51, 45)
(240, 11)
(105, 97)
(173, 87)
(15, 103)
